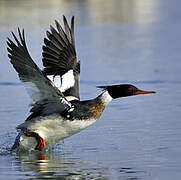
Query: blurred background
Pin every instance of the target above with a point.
(117, 41)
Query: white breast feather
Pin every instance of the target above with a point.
(56, 131)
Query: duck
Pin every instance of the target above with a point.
(56, 109)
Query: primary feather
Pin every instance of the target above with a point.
(59, 58)
(40, 88)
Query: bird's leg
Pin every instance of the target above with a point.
(40, 141)
(41, 144)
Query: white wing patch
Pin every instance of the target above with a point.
(65, 82)
(56, 80)
(68, 81)
(71, 98)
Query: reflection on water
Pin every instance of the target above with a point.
(59, 166)
(48, 165)
(58, 163)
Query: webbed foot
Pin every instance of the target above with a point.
(40, 141)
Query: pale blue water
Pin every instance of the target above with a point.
(117, 41)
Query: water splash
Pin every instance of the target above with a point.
(6, 142)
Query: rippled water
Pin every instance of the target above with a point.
(118, 41)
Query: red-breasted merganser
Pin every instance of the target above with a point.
(57, 111)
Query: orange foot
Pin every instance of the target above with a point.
(40, 141)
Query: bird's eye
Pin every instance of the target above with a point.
(130, 88)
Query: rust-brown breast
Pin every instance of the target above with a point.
(97, 108)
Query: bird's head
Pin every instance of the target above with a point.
(124, 90)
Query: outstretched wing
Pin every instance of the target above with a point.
(59, 58)
(42, 92)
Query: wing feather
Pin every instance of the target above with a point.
(44, 96)
(59, 56)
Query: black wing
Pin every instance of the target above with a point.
(43, 94)
(59, 58)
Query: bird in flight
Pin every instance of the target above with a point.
(56, 109)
